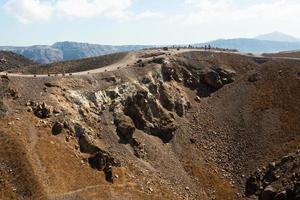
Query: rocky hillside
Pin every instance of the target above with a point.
(172, 125)
(72, 66)
(278, 180)
(9, 60)
(64, 51)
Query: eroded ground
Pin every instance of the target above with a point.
(193, 125)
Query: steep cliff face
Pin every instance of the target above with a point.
(170, 126)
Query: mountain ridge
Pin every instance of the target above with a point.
(68, 50)
(277, 36)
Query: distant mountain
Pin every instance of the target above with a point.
(254, 45)
(39, 54)
(277, 36)
(63, 51)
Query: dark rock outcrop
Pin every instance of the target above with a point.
(103, 161)
(87, 145)
(213, 77)
(99, 159)
(227, 75)
(217, 78)
(166, 99)
(57, 128)
(279, 180)
(125, 126)
(148, 115)
(42, 110)
(168, 71)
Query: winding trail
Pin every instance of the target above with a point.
(131, 58)
(128, 60)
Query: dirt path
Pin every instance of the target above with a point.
(128, 60)
(131, 58)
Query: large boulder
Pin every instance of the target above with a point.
(57, 128)
(86, 143)
(227, 75)
(125, 125)
(277, 181)
(212, 79)
(166, 99)
(103, 161)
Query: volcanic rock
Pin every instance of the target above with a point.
(57, 128)
(42, 111)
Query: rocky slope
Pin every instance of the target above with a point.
(10, 60)
(190, 125)
(279, 180)
(71, 66)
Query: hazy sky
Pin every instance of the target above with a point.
(27, 22)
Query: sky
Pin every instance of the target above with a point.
(120, 22)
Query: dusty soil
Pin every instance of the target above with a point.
(191, 125)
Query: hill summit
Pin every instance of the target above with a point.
(277, 36)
